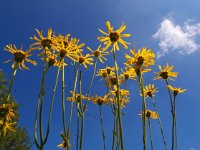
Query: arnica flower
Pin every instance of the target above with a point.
(99, 53)
(144, 57)
(51, 59)
(84, 60)
(67, 48)
(176, 90)
(114, 37)
(150, 114)
(127, 75)
(76, 97)
(137, 70)
(7, 126)
(166, 73)
(41, 41)
(7, 111)
(65, 144)
(20, 57)
(105, 72)
(150, 90)
(100, 100)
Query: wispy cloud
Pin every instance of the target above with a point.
(174, 37)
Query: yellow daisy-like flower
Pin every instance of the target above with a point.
(84, 60)
(20, 56)
(137, 70)
(7, 111)
(65, 144)
(106, 72)
(76, 97)
(166, 73)
(99, 53)
(7, 126)
(144, 57)
(150, 90)
(127, 75)
(150, 114)
(114, 37)
(176, 90)
(100, 100)
(67, 48)
(41, 41)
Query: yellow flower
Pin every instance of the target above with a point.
(20, 56)
(67, 48)
(144, 57)
(41, 41)
(99, 53)
(76, 97)
(150, 90)
(166, 73)
(137, 70)
(65, 144)
(127, 75)
(7, 126)
(100, 100)
(7, 111)
(150, 114)
(176, 90)
(84, 60)
(114, 37)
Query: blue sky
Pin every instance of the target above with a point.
(170, 28)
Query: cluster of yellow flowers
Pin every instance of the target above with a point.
(55, 48)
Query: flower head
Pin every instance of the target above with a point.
(76, 97)
(166, 73)
(114, 37)
(41, 41)
(144, 57)
(20, 56)
(84, 60)
(99, 53)
(176, 90)
(150, 90)
(100, 100)
(150, 114)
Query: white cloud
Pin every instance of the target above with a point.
(177, 38)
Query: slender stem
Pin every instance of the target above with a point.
(150, 130)
(63, 100)
(118, 100)
(71, 104)
(114, 126)
(140, 80)
(51, 106)
(77, 130)
(82, 130)
(102, 127)
(175, 128)
(172, 112)
(11, 84)
(160, 123)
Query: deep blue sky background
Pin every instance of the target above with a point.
(20, 18)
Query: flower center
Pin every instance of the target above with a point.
(63, 52)
(140, 60)
(108, 70)
(46, 43)
(104, 74)
(176, 92)
(113, 80)
(114, 36)
(126, 76)
(66, 44)
(149, 93)
(81, 59)
(99, 101)
(78, 99)
(97, 53)
(164, 75)
(148, 114)
(19, 57)
(52, 61)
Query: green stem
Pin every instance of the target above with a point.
(175, 128)
(114, 127)
(172, 112)
(118, 100)
(160, 123)
(77, 130)
(102, 127)
(82, 130)
(11, 84)
(51, 106)
(63, 100)
(143, 109)
(71, 104)
(150, 130)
